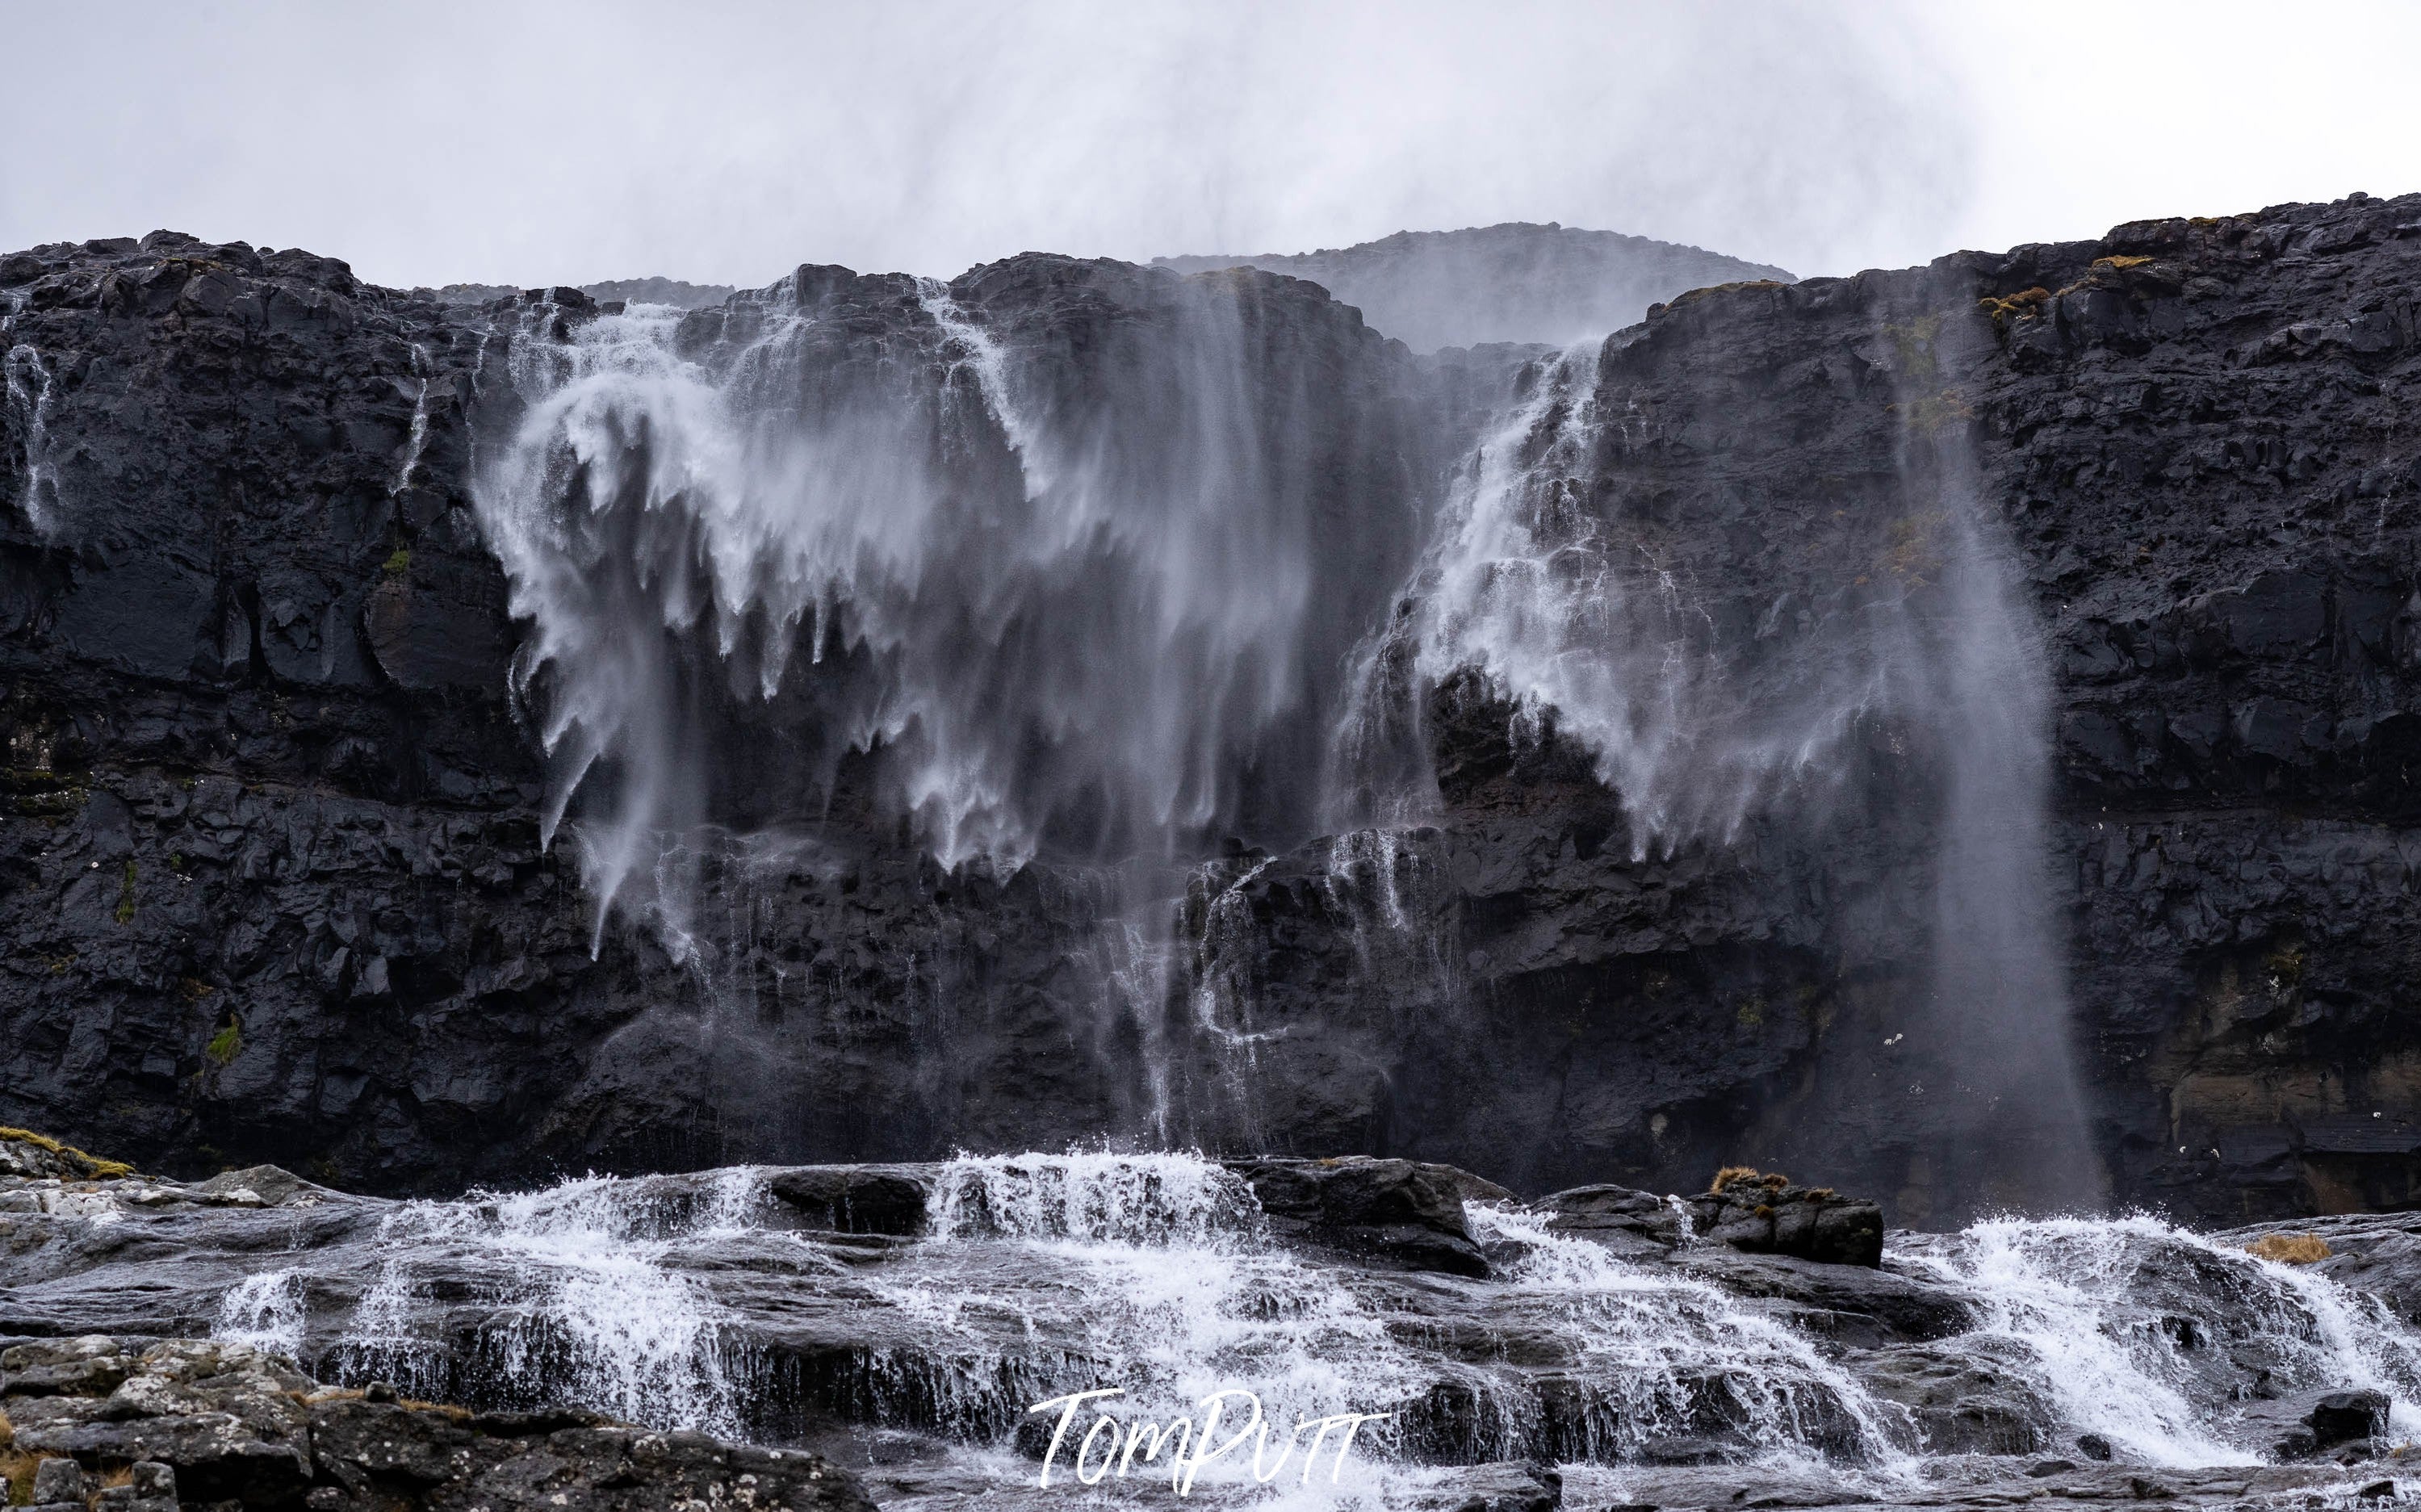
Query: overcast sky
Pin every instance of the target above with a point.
(507, 143)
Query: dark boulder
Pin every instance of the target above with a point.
(1513, 1486)
(854, 1199)
(1897, 1307)
(1404, 1211)
(1622, 1219)
(2342, 1417)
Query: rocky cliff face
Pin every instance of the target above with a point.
(272, 870)
(1514, 282)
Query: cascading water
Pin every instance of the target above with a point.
(704, 1301)
(1561, 593)
(28, 385)
(2156, 1337)
(579, 1293)
(1998, 1027)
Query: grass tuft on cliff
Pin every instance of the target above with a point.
(93, 1167)
(1747, 1176)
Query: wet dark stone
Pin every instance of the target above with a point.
(854, 1200)
(220, 1423)
(2342, 1417)
(1399, 1210)
(1771, 1216)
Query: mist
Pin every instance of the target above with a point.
(530, 143)
(549, 142)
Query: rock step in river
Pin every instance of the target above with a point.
(1591, 1349)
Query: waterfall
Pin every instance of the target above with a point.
(581, 1292)
(1588, 628)
(2122, 1325)
(1059, 608)
(1995, 1031)
(1560, 596)
(28, 385)
(1083, 564)
(416, 438)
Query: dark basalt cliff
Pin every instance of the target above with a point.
(273, 885)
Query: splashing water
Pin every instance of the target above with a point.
(2126, 1320)
(264, 1311)
(1181, 1296)
(668, 1301)
(1184, 1294)
(587, 1302)
(1132, 1200)
(1658, 1348)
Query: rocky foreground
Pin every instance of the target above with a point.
(110, 1424)
(879, 1332)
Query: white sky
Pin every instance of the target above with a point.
(539, 143)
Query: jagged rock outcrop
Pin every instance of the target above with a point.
(209, 1425)
(271, 870)
(1514, 282)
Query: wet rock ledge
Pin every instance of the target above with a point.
(104, 1424)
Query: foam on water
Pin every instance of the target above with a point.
(264, 1311)
(1652, 1342)
(1185, 1295)
(588, 1304)
(2119, 1317)
(1160, 1275)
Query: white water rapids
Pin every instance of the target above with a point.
(689, 1301)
